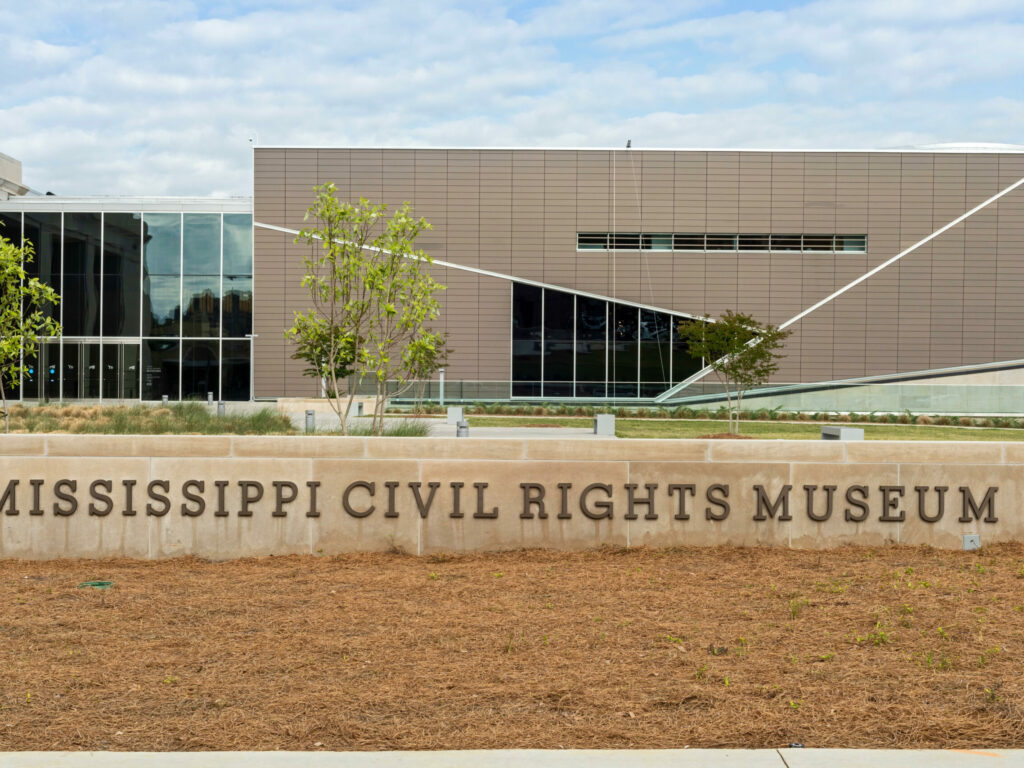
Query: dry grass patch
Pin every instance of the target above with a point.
(892, 647)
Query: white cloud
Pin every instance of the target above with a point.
(146, 97)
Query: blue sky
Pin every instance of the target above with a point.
(155, 97)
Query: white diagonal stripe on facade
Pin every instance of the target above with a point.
(512, 278)
(672, 391)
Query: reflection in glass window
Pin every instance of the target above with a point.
(661, 242)
(526, 311)
(235, 370)
(89, 365)
(201, 305)
(43, 231)
(70, 371)
(591, 347)
(122, 274)
(237, 244)
(121, 371)
(50, 368)
(201, 244)
(617, 350)
(80, 293)
(683, 365)
(855, 243)
(559, 315)
(624, 351)
(160, 368)
(161, 240)
(526, 374)
(559, 318)
(162, 306)
(237, 306)
(199, 369)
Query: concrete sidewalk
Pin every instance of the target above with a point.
(533, 758)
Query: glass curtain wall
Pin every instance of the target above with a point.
(153, 304)
(566, 346)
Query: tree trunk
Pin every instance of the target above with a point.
(739, 408)
(728, 400)
(378, 407)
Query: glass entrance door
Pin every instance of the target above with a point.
(121, 371)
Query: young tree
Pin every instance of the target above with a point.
(742, 352)
(372, 301)
(22, 317)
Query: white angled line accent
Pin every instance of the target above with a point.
(900, 255)
(870, 273)
(502, 276)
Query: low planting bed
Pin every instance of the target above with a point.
(727, 647)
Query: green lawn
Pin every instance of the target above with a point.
(773, 430)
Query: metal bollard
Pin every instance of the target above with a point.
(462, 429)
(209, 398)
(220, 408)
(359, 408)
(310, 421)
(164, 399)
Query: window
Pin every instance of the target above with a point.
(689, 242)
(721, 242)
(626, 241)
(566, 345)
(661, 242)
(818, 242)
(755, 242)
(786, 242)
(181, 282)
(586, 241)
(855, 243)
(693, 241)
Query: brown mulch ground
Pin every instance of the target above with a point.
(891, 647)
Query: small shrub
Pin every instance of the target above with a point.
(945, 421)
(987, 423)
(642, 413)
(965, 421)
(538, 410)
(844, 417)
(924, 420)
(904, 418)
(801, 416)
(704, 414)
(621, 413)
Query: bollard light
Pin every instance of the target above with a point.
(462, 429)
(164, 399)
(359, 408)
(220, 408)
(209, 398)
(310, 422)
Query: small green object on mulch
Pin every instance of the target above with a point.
(96, 584)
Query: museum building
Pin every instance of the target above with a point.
(567, 272)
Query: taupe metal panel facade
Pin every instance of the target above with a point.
(955, 301)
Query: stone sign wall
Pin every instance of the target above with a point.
(223, 497)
